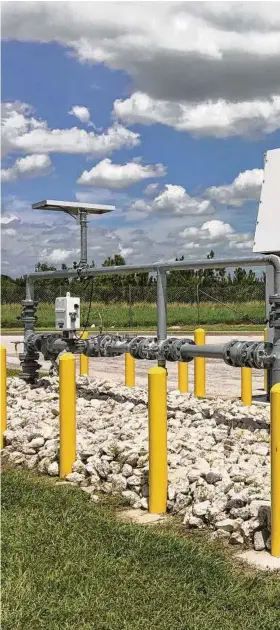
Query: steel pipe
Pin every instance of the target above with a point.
(218, 263)
(161, 310)
(207, 351)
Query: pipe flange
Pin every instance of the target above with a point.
(92, 347)
(165, 349)
(262, 355)
(176, 349)
(133, 347)
(106, 345)
(30, 367)
(148, 349)
(236, 352)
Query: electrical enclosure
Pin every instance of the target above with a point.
(67, 312)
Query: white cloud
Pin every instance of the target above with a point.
(10, 232)
(81, 112)
(112, 175)
(23, 133)
(59, 255)
(30, 166)
(221, 119)
(215, 233)
(193, 60)
(150, 190)
(125, 251)
(176, 201)
(5, 219)
(245, 187)
(214, 229)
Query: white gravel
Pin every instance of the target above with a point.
(218, 452)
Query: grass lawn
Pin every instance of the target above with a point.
(68, 564)
(119, 315)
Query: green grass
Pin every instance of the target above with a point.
(144, 314)
(68, 564)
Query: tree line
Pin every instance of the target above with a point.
(183, 285)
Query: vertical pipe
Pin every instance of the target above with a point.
(129, 370)
(157, 407)
(270, 289)
(83, 227)
(275, 469)
(183, 377)
(265, 382)
(199, 366)
(161, 309)
(67, 413)
(84, 361)
(3, 394)
(246, 386)
(29, 309)
(29, 288)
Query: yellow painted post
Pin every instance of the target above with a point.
(3, 394)
(67, 413)
(265, 371)
(183, 377)
(275, 469)
(129, 370)
(157, 406)
(246, 386)
(83, 359)
(199, 365)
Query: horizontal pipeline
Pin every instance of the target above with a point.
(211, 352)
(218, 263)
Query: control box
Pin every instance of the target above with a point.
(67, 312)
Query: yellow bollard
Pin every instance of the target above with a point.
(246, 386)
(199, 366)
(67, 413)
(183, 377)
(129, 370)
(3, 394)
(275, 469)
(84, 359)
(157, 406)
(265, 384)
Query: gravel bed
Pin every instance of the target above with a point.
(218, 452)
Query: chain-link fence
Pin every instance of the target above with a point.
(113, 302)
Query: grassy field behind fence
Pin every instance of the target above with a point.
(119, 315)
(68, 564)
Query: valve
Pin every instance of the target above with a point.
(248, 354)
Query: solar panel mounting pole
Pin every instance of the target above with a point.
(83, 226)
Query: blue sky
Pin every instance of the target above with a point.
(167, 120)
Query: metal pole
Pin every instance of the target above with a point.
(183, 377)
(199, 365)
(246, 386)
(161, 309)
(157, 404)
(83, 226)
(67, 413)
(129, 370)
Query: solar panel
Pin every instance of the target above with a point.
(73, 207)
